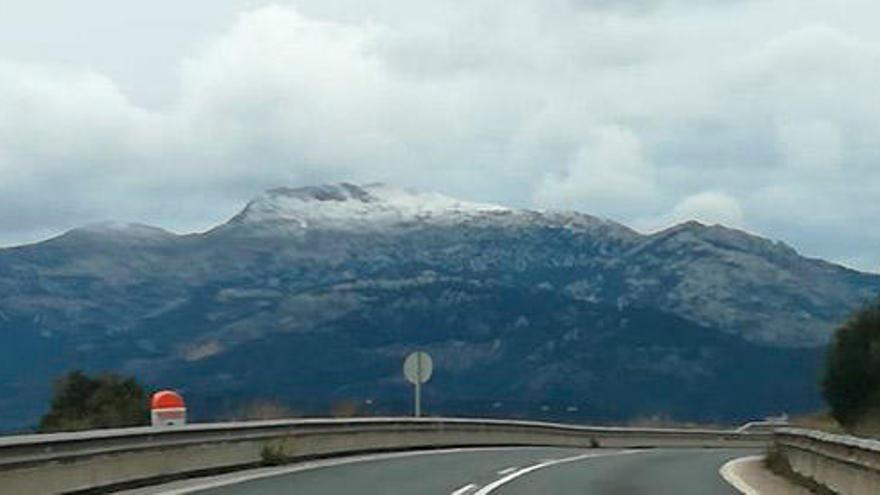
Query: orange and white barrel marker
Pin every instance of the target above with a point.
(167, 409)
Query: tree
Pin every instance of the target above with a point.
(852, 377)
(107, 400)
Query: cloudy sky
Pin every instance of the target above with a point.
(759, 114)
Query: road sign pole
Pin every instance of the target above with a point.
(418, 400)
(418, 408)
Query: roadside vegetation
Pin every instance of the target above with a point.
(345, 408)
(666, 421)
(107, 400)
(851, 385)
(262, 410)
(268, 409)
(821, 420)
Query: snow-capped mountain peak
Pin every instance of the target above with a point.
(348, 205)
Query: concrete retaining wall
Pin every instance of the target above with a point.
(59, 463)
(846, 465)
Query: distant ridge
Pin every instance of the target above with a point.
(563, 305)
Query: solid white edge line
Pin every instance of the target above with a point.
(325, 463)
(464, 489)
(491, 487)
(729, 472)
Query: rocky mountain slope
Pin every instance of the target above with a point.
(315, 294)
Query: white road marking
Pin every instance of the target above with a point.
(730, 475)
(194, 486)
(491, 487)
(465, 489)
(508, 470)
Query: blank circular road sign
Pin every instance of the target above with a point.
(418, 367)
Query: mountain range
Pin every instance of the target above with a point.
(312, 296)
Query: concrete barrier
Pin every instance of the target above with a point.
(844, 464)
(99, 461)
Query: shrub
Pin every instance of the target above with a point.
(81, 402)
(851, 385)
(273, 455)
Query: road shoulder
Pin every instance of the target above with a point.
(751, 477)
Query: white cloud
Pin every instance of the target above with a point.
(282, 79)
(707, 207)
(608, 107)
(811, 146)
(68, 140)
(608, 169)
(711, 208)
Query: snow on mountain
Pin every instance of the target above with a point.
(378, 207)
(124, 228)
(347, 206)
(116, 232)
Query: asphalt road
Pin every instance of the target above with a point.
(518, 471)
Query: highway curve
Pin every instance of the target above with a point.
(511, 471)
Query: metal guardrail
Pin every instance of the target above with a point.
(51, 463)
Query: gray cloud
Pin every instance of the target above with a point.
(757, 114)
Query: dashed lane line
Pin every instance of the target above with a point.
(491, 487)
(465, 489)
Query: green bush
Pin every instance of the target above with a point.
(273, 455)
(81, 402)
(852, 377)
